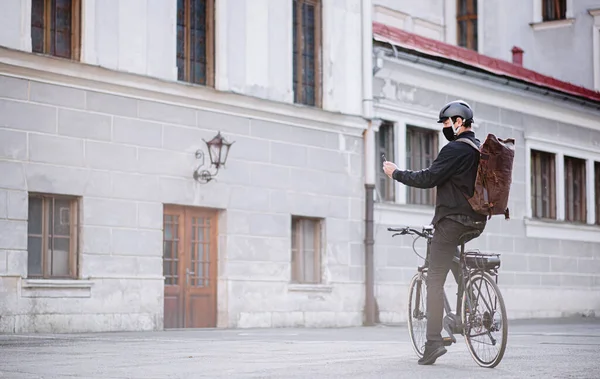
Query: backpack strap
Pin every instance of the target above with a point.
(469, 142)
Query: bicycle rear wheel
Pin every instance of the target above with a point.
(485, 321)
(417, 313)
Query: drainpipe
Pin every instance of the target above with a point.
(369, 143)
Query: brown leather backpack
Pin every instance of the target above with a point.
(494, 176)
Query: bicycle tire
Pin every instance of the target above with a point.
(419, 348)
(494, 362)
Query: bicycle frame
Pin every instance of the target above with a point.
(469, 268)
(465, 274)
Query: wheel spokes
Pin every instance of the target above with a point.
(484, 320)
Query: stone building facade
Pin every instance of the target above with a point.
(550, 247)
(103, 226)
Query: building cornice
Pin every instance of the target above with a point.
(58, 71)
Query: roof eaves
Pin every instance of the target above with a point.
(473, 61)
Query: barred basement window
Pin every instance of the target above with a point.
(195, 41)
(306, 250)
(385, 145)
(52, 237)
(466, 19)
(554, 10)
(421, 151)
(307, 52)
(543, 185)
(56, 28)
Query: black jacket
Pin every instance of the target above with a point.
(453, 173)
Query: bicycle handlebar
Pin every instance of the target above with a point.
(408, 230)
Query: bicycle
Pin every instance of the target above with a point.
(473, 268)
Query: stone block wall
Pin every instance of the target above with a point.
(126, 157)
(545, 276)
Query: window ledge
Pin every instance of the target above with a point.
(544, 25)
(56, 288)
(309, 287)
(562, 230)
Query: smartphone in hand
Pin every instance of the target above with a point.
(383, 156)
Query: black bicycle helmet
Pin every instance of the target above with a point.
(457, 108)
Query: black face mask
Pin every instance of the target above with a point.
(449, 134)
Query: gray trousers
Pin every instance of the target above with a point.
(442, 251)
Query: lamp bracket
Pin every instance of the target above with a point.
(203, 176)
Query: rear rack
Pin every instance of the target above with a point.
(477, 260)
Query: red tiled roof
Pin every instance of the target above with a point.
(466, 56)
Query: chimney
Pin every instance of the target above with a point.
(517, 55)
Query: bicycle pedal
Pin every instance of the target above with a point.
(448, 341)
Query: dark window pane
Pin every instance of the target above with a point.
(196, 34)
(597, 190)
(474, 34)
(34, 223)
(295, 50)
(462, 7)
(575, 190)
(181, 40)
(421, 151)
(34, 256)
(308, 21)
(37, 26)
(305, 52)
(543, 185)
(61, 19)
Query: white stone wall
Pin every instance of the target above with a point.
(548, 50)
(253, 44)
(549, 269)
(126, 151)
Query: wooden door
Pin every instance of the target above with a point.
(190, 267)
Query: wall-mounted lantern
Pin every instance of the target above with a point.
(218, 150)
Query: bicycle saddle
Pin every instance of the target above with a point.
(467, 236)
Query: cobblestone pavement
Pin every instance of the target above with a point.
(536, 349)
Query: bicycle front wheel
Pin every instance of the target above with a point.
(485, 320)
(417, 313)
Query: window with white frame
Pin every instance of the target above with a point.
(52, 237)
(543, 185)
(552, 13)
(466, 23)
(421, 151)
(306, 250)
(564, 183)
(553, 10)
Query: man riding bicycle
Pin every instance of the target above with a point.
(453, 173)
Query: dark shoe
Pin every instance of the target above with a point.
(432, 352)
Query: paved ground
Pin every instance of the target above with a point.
(536, 349)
